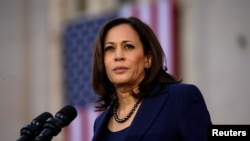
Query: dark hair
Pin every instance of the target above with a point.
(155, 74)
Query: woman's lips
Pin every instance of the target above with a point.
(120, 69)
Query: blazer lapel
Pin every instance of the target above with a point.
(145, 116)
(100, 125)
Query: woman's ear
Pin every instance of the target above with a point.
(148, 60)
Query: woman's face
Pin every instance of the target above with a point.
(124, 57)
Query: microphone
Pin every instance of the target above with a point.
(54, 125)
(29, 132)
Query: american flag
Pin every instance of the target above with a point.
(79, 37)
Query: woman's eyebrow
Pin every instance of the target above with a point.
(109, 43)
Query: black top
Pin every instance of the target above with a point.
(115, 136)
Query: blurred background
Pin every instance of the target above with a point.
(45, 56)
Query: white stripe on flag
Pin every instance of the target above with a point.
(91, 117)
(126, 10)
(144, 12)
(165, 32)
(75, 129)
(81, 129)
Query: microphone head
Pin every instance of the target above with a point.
(66, 114)
(30, 131)
(41, 119)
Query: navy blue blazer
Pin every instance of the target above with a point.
(179, 113)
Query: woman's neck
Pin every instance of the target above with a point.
(125, 97)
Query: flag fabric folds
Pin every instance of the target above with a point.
(79, 38)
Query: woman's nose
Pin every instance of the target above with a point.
(119, 55)
(119, 58)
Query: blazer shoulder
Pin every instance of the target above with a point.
(185, 90)
(183, 87)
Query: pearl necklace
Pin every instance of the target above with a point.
(121, 120)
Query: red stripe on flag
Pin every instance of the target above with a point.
(154, 18)
(135, 11)
(174, 31)
(85, 123)
(67, 134)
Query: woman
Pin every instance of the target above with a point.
(139, 99)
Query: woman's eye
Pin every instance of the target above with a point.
(108, 48)
(129, 46)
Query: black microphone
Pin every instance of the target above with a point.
(29, 132)
(54, 125)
